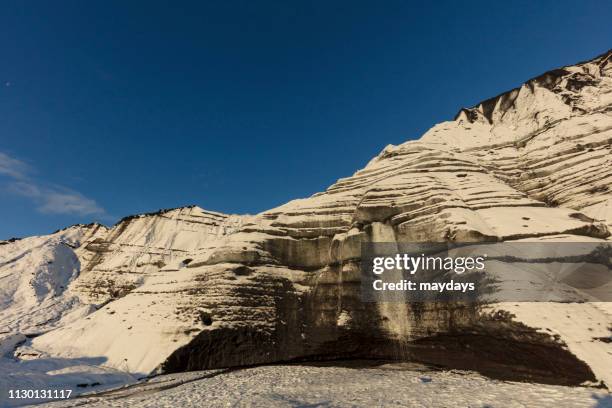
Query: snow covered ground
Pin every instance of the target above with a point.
(77, 375)
(399, 385)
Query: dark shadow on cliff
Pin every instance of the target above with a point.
(305, 328)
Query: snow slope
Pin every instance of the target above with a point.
(582, 326)
(36, 273)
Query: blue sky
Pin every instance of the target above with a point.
(114, 108)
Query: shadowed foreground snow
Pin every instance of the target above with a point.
(328, 386)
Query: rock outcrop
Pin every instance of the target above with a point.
(190, 289)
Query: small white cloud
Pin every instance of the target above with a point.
(50, 199)
(68, 202)
(12, 167)
(25, 189)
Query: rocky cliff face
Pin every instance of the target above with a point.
(190, 289)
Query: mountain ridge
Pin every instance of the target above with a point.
(467, 111)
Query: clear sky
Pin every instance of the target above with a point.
(114, 108)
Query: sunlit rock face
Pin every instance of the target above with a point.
(190, 289)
